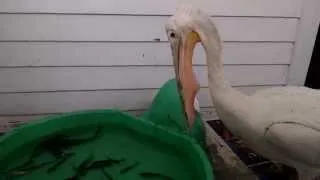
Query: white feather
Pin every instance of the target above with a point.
(281, 123)
(196, 104)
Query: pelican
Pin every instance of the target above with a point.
(281, 123)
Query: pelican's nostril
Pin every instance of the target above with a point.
(172, 35)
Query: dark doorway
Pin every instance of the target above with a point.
(313, 76)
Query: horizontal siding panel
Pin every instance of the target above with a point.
(131, 77)
(289, 8)
(45, 103)
(14, 54)
(207, 114)
(58, 102)
(35, 27)
(9, 122)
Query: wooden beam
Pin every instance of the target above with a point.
(226, 163)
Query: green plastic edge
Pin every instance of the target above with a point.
(166, 103)
(167, 110)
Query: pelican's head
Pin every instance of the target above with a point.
(185, 29)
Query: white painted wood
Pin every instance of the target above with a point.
(306, 35)
(257, 51)
(35, 27)
(209, 114)
(39, 103)
(286, 8)
(227, 162)
(131, 77)
(109, 54)
(9, 122)
(58, 102)
(15, 119)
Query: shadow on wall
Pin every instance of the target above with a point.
(313, 76)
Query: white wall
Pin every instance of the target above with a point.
(58, 55)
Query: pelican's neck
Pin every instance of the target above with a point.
(213, 50)
(232, 106)
(221, 91)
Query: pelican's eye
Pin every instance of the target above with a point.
(172, 34)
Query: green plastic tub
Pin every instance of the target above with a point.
(109, 144)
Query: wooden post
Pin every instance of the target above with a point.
(226, 163)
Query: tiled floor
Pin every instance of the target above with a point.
(265, 169)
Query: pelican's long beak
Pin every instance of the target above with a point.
(182, 54)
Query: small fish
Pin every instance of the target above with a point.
(80, 170)
(60, 161)
(18, 173)
(153, 175)
(58, 143)
(107, 175)
(128, 168)
(104, 163)
(28, 169)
